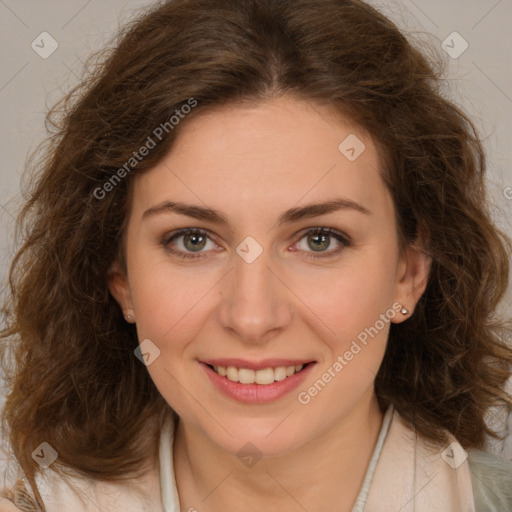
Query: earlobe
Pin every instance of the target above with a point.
(119, 288)
(412, 279)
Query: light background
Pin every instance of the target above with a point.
(479, 80)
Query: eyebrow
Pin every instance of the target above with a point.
(289, 216)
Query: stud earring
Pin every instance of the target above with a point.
(404, 311)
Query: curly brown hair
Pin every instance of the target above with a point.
(76, 383)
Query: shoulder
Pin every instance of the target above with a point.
(491, 477)
(14, 495)
(16, 499)
(80, 494)
(8, 506)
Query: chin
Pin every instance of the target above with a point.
(258, 437)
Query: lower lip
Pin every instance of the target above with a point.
(257, 393)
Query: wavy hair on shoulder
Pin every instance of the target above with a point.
(75, 382)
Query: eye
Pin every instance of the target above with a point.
(194, 240)
(190, 242)
(320, 239)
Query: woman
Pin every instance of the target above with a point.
(259, 270)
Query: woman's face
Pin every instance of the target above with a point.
(254, 287)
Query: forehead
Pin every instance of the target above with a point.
(254, 159)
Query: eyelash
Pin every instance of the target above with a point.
(314, 231)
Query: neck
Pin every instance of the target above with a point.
(328, 469)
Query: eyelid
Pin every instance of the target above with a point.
(323, 229)
(165, 242)
(340, 236)
(187, 231)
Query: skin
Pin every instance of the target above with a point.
(252, 162)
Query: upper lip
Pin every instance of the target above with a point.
(255, 365)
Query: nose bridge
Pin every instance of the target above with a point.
(255, 302)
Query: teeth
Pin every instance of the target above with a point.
(279, 373)
(232, 373)
(246, 376)
(264, 377)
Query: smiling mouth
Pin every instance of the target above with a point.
(265, 376)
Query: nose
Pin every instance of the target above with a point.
(256, 304)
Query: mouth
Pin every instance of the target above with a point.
(266, 381)
(263, 377)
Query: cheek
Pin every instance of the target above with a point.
(350, 298)
(169, 303)
(171, 308)
(356, 306)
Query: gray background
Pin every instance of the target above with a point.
(479, 80)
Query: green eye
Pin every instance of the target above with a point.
(195, 240)
(319, 239)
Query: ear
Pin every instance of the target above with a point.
(412, 278)
(120, 290)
